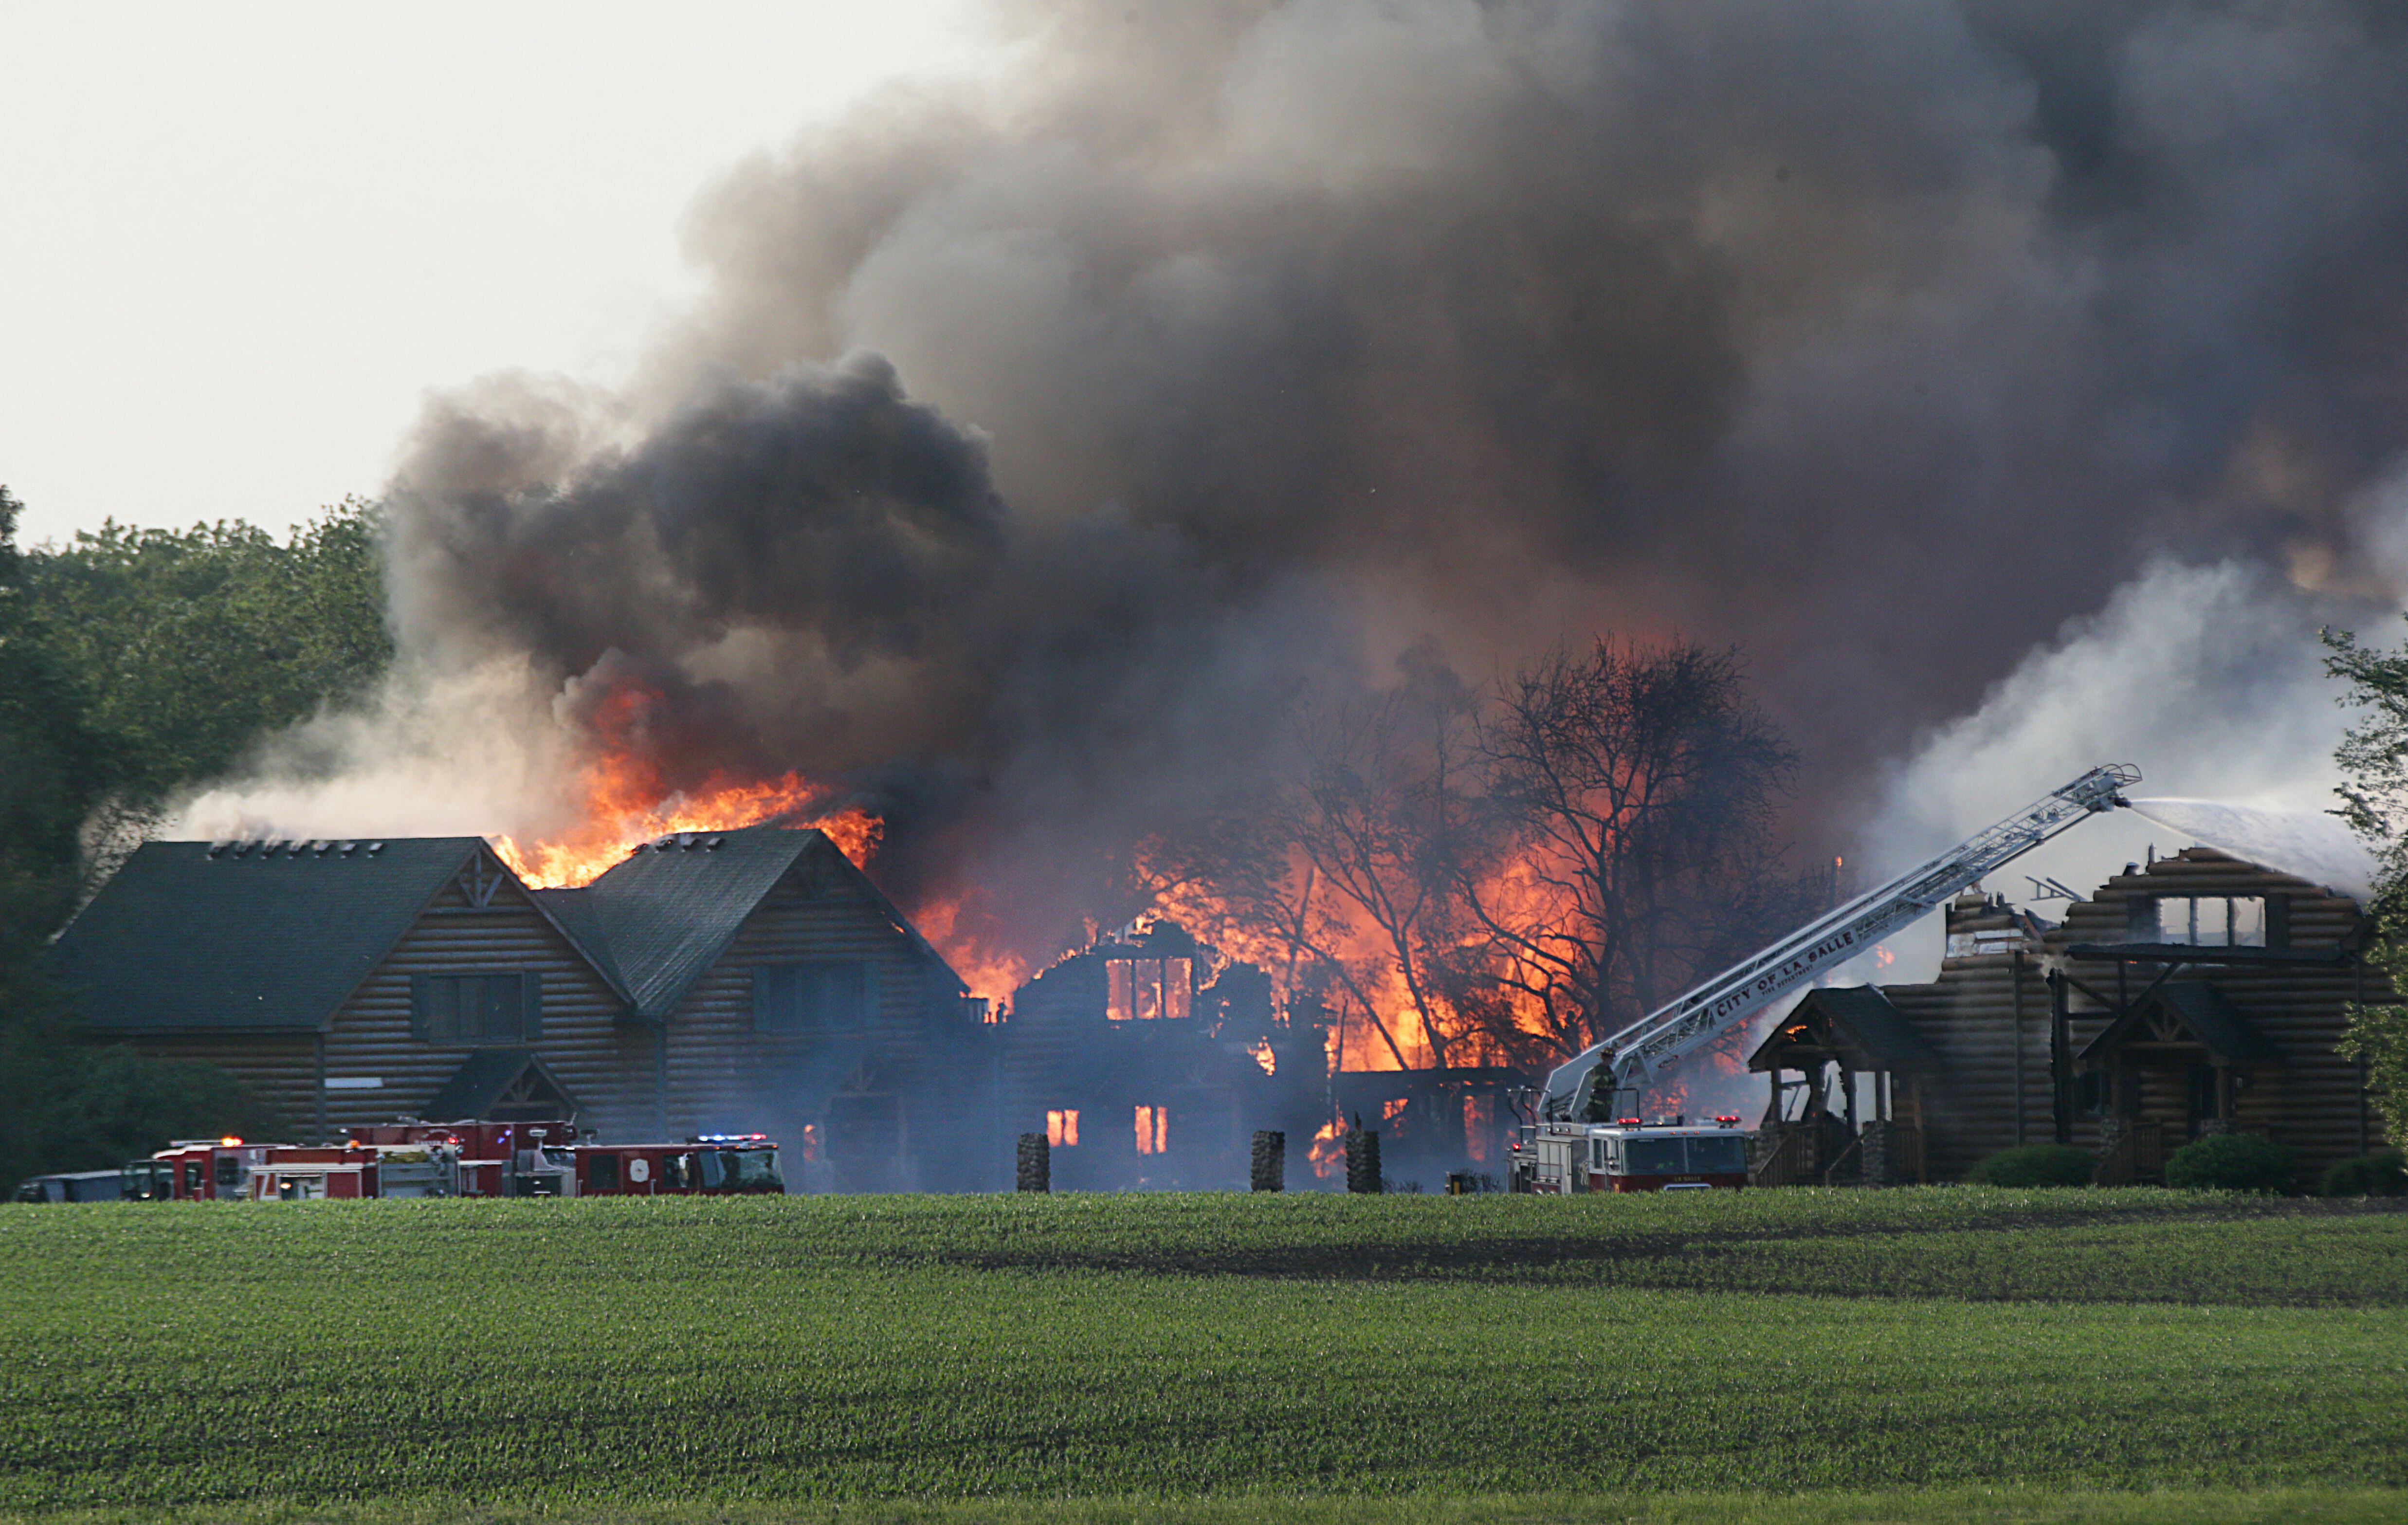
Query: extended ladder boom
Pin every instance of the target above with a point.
(1736, 994)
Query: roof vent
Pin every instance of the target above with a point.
(685, 840)
(217, 849)
(348, 848)
(712, 843)
(375, 847)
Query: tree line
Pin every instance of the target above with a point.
(134, 662)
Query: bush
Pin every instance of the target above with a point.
(2229, 1162)
(2033, 1165)
(2382, 1174)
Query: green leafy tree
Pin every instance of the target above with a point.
(2374, 757)
(132, 662)
(50, 763)
(187, 647)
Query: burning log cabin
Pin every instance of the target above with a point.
(1148, 1060)
(709, 982)
(1436, 1122)
(2196, 994)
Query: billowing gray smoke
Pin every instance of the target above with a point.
(1036, 440)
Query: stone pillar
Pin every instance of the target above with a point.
(1363, 1160)
(1879, 1161)
(1269, 1166)
(1036, 1164)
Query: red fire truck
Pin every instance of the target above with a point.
(229, 1170)
(458, 1159)
(1671, 1154)
(709, 1164)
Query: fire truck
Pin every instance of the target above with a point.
(456, 1159)
(1666, 1153)
(1583, 1114)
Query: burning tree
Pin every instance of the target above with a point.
(1507, 877)
(1636, 790)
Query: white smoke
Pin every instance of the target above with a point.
(2210, 679)
(434, 754)
(2316, 847)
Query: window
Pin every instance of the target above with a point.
(2206, 921)
(1062, 1129)
(1654, 1156)
(1143, 989)
(601, 1173)
(1153, 1131)
(814, 999)
(1718, 1157)
(476, 1008)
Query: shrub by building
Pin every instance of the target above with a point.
(2230, 1163)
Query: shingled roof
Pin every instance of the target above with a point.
(1857, 1023)
(248, 935)
(671, 907)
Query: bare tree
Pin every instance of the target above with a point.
(1637, 788)
(1515, 879)
(1352, 865)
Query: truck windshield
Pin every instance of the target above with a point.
(755, 1167)
(1726, 1155)
(1653, 1157)
(738, 1169)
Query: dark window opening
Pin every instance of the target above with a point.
(602, 1173)
(476, 1008)
(814, 998)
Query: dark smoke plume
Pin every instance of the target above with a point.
(1036, 442)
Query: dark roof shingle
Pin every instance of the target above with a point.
(671, 907)
(272, 935)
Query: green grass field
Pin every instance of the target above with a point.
(1767, 1356)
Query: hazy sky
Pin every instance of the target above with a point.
(244, 239)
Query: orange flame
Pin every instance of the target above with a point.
(628, 801)
(623, 812)
(992, 976)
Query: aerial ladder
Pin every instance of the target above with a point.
(1602, 1083)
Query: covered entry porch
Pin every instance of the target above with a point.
(1825, 1128)
(2170, 1068)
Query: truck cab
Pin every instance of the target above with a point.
(706, 1165)
(1668, 1154)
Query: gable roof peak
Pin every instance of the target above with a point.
(192, 935)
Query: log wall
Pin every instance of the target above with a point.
(1988, 1014)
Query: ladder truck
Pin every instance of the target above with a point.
(1582, 1138)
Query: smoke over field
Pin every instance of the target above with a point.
(1036, 441)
